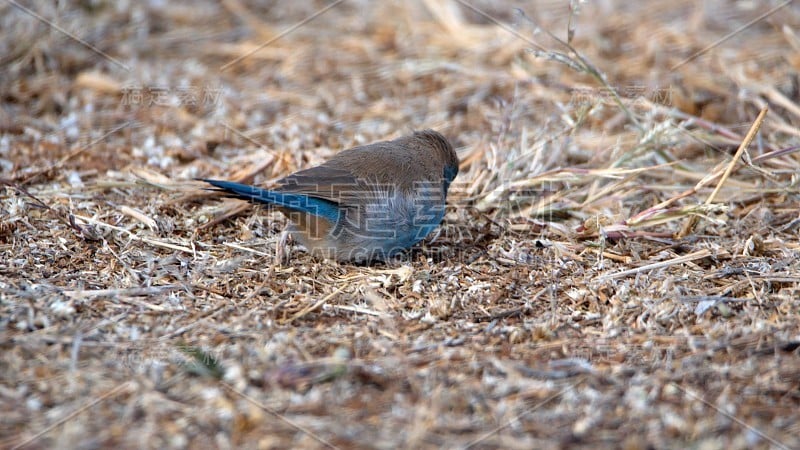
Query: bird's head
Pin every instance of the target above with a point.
(444, 152)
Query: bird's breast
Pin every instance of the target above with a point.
(390, 221)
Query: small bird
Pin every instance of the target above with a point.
(367, 203)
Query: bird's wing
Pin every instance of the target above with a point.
(364, 171)
(325, 182)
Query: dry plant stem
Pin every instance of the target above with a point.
(661, 264)
(689, 192)
(314, 306)
(130, 292)
(776, 153)
(578, 62)
(702, 123)
(690, 223)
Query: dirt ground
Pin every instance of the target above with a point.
(618, 267)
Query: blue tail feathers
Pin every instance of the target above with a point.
(297, 202)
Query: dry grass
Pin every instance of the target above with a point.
(611, 272)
